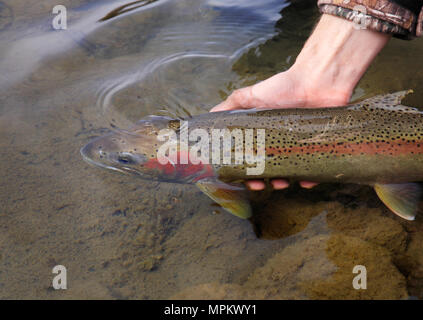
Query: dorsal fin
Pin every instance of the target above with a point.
(390, 101)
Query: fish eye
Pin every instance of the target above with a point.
(126, 159)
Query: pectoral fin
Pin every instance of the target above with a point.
(233, 198)
(402, 199)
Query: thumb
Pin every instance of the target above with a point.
(239, 99)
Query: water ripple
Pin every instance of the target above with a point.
(183, 67)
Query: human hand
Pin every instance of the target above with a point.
(324, 75)
(283, 90)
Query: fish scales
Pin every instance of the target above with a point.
(376, 142)
(356, 144)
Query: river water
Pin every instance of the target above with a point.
(120, 237)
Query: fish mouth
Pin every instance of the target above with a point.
(87, 156)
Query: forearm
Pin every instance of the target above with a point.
(336, 56)
(403, 18)
(324, 74)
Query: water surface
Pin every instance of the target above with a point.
(124, 238)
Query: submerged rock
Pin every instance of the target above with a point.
(318, 263)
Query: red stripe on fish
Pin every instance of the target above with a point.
(180, 170)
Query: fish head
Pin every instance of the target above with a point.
(129, 151)
(136, 151)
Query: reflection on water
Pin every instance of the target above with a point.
(121, 237)
(126, 8)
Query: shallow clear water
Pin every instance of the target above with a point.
(122, 237)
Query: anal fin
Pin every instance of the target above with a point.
(233, 198)
(400, 198)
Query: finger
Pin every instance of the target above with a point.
(224, 106)
(308, 184)
(255, 185)
(239, 99)
(279, 184)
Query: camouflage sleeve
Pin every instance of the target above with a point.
(402, 18)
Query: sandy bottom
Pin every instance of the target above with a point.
(124, 238)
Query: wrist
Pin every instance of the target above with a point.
(334, 59)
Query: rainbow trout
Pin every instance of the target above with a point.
(376, 142)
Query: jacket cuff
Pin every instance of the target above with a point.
(378, 15)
